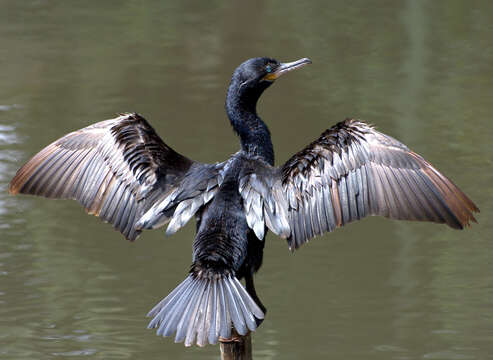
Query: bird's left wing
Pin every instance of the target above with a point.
(121, 171)
(351, 171)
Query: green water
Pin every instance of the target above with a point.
(71, 287)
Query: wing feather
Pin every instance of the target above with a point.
(119, 169)
(352, 171)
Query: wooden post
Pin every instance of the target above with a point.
(237, 348)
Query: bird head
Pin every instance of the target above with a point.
(259, 73)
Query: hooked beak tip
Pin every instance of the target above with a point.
(286, 67)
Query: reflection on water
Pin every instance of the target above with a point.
(9, 107)
(70, 286)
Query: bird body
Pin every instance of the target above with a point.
(224, 218)
(121, 171)
(224, 250)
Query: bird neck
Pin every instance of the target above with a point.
(241, 107)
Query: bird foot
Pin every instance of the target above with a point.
(233, 339)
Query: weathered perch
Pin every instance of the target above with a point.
(237, 348)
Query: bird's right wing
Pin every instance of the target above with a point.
(121, 171)
(351, 171)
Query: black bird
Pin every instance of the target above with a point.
(121, 171)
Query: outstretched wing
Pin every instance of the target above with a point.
(349, 172)
(117, 169)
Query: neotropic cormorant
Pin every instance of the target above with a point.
(121, 171)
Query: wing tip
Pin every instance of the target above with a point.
(464, 211)
(466, 223)
(14, 187)
(460, 206)
(22, 176)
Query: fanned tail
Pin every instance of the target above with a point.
(203, 309)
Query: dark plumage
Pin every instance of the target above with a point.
(121, 171)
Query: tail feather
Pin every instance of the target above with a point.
(212, 317)
(239, 303)
(175, 294)
(202, 323)
(223, 314)
(188, 324)
(174, 312)
(200, 310)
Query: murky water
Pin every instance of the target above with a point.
(71, 287)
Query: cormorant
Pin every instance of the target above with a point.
(121, 171)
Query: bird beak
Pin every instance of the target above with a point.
(285, 67)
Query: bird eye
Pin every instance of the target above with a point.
(268, 68)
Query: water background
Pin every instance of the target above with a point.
(72, 287)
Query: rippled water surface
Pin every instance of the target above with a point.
(71, 287)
